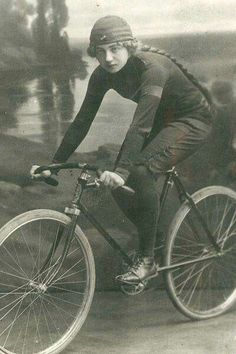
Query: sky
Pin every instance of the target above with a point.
(152, 17)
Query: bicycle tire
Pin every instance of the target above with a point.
(37, 309)
(206, 289)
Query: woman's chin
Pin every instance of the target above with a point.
(112, 69)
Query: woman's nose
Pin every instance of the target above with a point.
(109, 56)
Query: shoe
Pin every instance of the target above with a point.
(143, 269)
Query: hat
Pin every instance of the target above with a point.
(110, 29)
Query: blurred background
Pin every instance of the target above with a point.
(44, 71)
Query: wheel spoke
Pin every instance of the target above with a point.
(16, 301)
(67, 271)
(63, 300)
(26, 330)
(35, 315)
(69, 275)
(37, 336)
(199, 274)
(14, 261)
(27, 246)
(232, 222)
(67, 290)
(58, 308)
(13, 275)
(19, 302)
(207, 288)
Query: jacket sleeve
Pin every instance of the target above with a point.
(152, 83)
(79, 128)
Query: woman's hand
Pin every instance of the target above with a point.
(45, 173)
(111, 179)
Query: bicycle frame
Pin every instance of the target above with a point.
(77, 207)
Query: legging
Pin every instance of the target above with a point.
(170, 146)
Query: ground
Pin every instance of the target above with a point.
(147, 324)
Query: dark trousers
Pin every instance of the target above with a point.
(171, 145)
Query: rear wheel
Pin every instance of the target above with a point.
(208, 288)
(36, 318)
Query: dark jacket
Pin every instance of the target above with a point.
(162, 92)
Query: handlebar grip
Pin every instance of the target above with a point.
(49, 180)
(124, 188)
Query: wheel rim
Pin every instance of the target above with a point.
(36, 318)
(207, 288)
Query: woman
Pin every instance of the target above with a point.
(171, 121)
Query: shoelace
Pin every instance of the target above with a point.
(137, 264)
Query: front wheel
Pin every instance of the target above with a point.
(207, 288)
(37, 317)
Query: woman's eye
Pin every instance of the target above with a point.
(114, 49)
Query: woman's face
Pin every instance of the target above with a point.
(112, 57)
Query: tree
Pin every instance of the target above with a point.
(40, 28)
(49, 37)
(14, 17)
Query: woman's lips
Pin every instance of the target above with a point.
(111, 65)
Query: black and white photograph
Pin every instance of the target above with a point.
(117, 177)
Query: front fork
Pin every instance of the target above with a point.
(68, 235)
(44, 278)
(64, 232)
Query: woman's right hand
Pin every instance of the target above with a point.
(45, 173)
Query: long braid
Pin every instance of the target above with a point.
(133, 45)
(191, 77)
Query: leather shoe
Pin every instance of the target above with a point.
(143, 269)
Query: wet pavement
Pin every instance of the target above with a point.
(148, 323)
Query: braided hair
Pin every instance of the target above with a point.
(191, 77)
(133, 45)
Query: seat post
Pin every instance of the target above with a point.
(182, 194)
(167, 185)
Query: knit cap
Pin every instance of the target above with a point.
(110, 29)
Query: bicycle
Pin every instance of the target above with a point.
(48, 273)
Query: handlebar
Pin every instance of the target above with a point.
(66, 166)
(62, 166)
(73, 165)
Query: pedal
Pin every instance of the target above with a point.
(133, 289)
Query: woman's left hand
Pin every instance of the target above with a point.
(111, 179)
